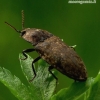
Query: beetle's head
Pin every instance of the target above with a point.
(35, 36)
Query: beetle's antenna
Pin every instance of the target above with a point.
(13, 27)
(22, 19)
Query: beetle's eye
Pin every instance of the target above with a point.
(22, 33)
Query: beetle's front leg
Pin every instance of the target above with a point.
(27, 51)
(35, 60)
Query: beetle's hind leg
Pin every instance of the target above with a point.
(74, 46)
(49, 69)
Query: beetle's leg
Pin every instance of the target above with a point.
(26, 51)
(49, 69)
(74, 46)
(35, 60)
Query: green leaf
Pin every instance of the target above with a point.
(18, 89)
(95, 89)
(43, 86)
(74, 91)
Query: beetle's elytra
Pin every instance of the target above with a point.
(55, 52)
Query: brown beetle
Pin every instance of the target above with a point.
(54, 51)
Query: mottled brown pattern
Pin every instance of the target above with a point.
(62, 57)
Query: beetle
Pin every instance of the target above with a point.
(54, 51)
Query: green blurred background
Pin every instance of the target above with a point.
(75, 23)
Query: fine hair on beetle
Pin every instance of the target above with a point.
(54, 51)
